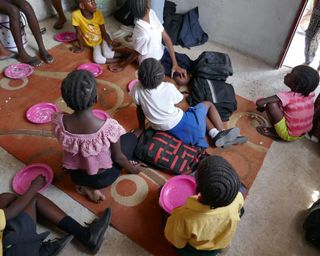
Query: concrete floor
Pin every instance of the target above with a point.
(286, 185)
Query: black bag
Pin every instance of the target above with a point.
(165, 152)
(312, 225)
(172, 21)
(212, 65)
(191, 33)
(124, 15)
(221, 94)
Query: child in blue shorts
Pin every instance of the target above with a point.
(156, 100)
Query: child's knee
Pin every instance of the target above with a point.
(99, 59)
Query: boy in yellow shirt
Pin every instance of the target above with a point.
(89, 25)
(18, 216)
(206, 223)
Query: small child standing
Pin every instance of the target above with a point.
(89, 25)
(156, 100)
(291, 112)
(90, 145)
(207, 222)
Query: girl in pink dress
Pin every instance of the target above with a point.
(93, 149)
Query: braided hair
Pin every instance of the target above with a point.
(138, 8)
(79, 90)
(307, 79)
(151, 73)
(217, 182)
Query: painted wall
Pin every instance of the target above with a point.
(255, 27)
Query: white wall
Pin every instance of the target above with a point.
(255, 27)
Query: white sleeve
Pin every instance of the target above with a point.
(140, 41)
(135, 94)
(156, 20)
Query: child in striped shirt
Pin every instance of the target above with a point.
(291, 112)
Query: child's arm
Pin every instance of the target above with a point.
(141, 117)
(106, 37)
(120, 66)
(261, 103)
(80, 47)
(18, 205)
(175, 67)
(119, 158)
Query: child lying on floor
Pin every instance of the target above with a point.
(206, 223)
(156, 100)
(291, 112)
(89, 25)
(18, 218)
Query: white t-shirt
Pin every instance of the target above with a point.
(158, 105)
(147, 38)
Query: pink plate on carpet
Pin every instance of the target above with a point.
(132, 84)
(175, 192)
(101, 114)
(65, 37)
(23, 178)
(41, 112)
(94, 68)
(18, 71)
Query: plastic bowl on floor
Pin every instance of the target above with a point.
(175, 192)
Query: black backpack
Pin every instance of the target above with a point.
(311, 225)
(221, 94)
(191, 33)
(212, 65)
(172, 21)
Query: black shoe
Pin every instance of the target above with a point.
(55, 246)
(239, 140)
(225, 137)
(97, 230)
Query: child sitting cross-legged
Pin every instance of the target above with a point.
(206, 223)
(156, 100)
(89, 25)
(291, 112)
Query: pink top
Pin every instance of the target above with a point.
(88, 152)
(298, 111)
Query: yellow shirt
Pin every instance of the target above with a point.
(90, 28)
(203, 228)
(2, 226)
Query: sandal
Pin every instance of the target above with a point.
(268, 132)
(47, 58)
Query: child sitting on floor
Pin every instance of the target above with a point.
(90, 145)
(291, 112)
(156, 100)
(18, 218)
(89, 25)
(207, 222)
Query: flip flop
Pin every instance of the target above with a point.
(268, 132)
(12, 55)
(47, 58)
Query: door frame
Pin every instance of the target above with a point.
(292, 32)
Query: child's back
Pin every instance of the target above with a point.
(208, 221)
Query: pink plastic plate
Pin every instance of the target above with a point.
(18, 71)
(98, 113)
(94, 68)
(175, 192)
(41, 113)
(22, 180)
(132, 84)
(65, 37)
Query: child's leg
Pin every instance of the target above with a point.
(61, 18)
(25, 7)
(98, 56)
(274, 112)
(14, 15)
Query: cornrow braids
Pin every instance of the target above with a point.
(217, 182)
(150, 73)
(307, 79)
(138, 8)
(79, 90)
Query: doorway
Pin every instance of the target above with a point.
(295, 53)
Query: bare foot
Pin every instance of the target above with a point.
(47, 58)
(59, 23)
(94, 195)
(33, 61)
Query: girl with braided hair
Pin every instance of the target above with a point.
(206, 223)
(291, 112)
(93, 150)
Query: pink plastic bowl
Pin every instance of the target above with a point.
(132, 84)
(23, 178)
(175, 192)
(101, 114)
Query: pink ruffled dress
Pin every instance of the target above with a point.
(89, 152)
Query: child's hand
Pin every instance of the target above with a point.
(115, 44)
(136, 169)
(38, 183)
(116, 68)
(76, 49)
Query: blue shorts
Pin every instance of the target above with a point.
(192, 127)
